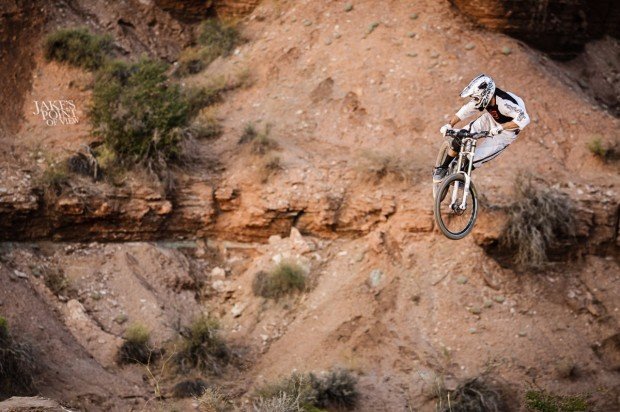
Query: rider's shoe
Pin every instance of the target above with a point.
(439, 174)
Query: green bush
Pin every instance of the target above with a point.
(542, 401)
(78, 47)
(540, 219)
(135, 348)
(283, 279)
(202, 347)
(137, 112)
(17, 365)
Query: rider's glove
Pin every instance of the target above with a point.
(445, 128)
(495, 130)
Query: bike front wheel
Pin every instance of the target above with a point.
(455, 220)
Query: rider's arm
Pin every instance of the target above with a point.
(511, 125)
(520, 118)
(468, 110)
(454, 121)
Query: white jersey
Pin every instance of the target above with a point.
(508, 107)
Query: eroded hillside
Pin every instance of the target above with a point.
(351, 98)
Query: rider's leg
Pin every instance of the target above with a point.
(489, 148)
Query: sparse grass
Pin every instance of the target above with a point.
(135, 348)
(55, 178)
(270, 166)
(206, 126)
(542, 401)
(473, 395)
(137, 112)
(379, 166)
(541, 219)
(78, 47)
(261, 142)
(202, 347)
(335, 389)
(598, 148)
(285, 278)
(219, 37)
(249, 133)
(17, 365)
(191, 61)
(200, 97)
(216, 39)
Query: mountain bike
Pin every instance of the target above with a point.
(455, 197)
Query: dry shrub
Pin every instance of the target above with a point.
(542, 401)
(307, 392)
(285, 278)
(189, 388)
(135, 348)
(58, 283)
(295, 393)
(212, 400)
(541, 219)
(336, 389)
(378, 166)
(474, 395)
(282, 402)
(202, 347)
(17, 365)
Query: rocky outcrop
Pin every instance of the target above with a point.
(196, 10)
(559, 27)
(248, 213)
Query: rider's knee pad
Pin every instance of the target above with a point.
(456, 145)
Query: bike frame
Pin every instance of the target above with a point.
(468, 149)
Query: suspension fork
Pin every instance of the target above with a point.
(468, 148)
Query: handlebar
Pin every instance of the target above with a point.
(463, 133)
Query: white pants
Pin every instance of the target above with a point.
(489, 148)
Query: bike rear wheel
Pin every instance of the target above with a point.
(453, 221)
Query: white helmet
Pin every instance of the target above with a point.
(481, 90)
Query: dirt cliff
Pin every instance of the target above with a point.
(354, 97)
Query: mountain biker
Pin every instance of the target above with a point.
(504, 117)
